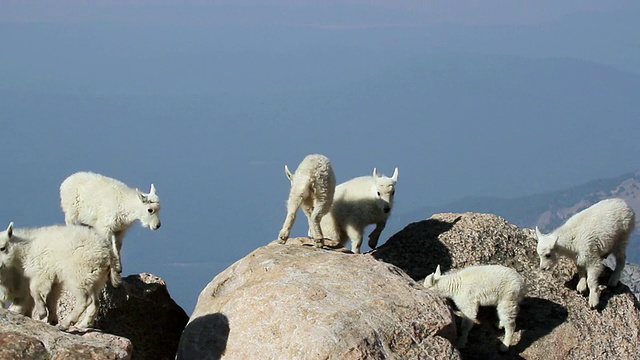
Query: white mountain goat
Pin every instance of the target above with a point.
(55, 258)
(357, 203)
(588, 237)
(483, 285)
(312, 188)
(109, 206)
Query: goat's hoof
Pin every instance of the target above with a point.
(582, 286)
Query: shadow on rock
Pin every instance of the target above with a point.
(537, 318)
(204, 338)
(137, 310)
(417, 249)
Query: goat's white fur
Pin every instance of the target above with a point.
(312, 188)
(50, 259)
(357, 203)
(109, 206)
(587, 238)
(482, 285)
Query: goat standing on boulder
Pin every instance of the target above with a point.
(53, 258)
(312, 188)
(357, 203)
(587, 238)
(483, 285)
(109, 206)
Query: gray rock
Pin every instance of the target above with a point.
(24, 338)
(554, 322)
(294, 302)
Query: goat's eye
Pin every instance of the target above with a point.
(378, 193)
(150, 211)
(3, 249)
(547, 255)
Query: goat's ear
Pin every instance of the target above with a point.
(438, 273)
(10, 230)
(555, 241)
(394, 177)
(538, 234)
(428, 281)
(288, 173)
(375, 173)
(153, 190)
(141, 196)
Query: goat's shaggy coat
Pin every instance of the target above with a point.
(109, 206)
(49, 259)
(482, 285)
(312, 188)
(357, 203)
(587, 238)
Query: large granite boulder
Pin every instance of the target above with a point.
(554, 322)
(298, 302)
(24, 338)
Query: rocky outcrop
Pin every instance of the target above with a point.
(24, 338)
(554, 322)
(142, 311)
(294, 302)
(137, 320)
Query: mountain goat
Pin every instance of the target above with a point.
(49, 259)
(109, 206)
(588, 237)
(312, 188)
(482, 285)
(357, 203)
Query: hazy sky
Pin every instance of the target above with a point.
(209, 100)
(345, 13)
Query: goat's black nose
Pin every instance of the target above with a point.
(387, 209)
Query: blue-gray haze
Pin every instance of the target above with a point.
(209, 102)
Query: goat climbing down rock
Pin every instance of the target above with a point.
(359, 202)
(62, 257)
(587, 238)
(312, 188)
(482, 285)
(109, 206)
